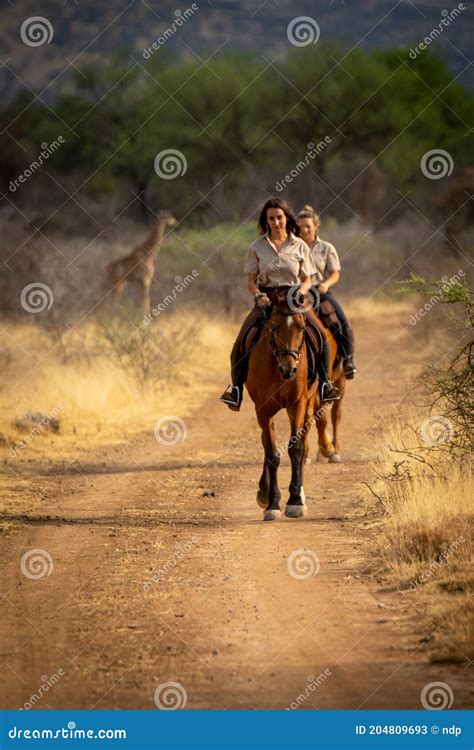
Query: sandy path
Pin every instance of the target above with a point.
(223, 617)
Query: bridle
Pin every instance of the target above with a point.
(281, 351)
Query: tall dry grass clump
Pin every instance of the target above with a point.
(104, 381)
(425, 492)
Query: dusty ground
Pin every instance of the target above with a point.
(155, 581)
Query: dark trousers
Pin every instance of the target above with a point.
(342, 333)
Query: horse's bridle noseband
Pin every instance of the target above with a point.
(280, 351)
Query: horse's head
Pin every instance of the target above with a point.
(286, 326)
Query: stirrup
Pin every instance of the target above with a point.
(328, 385)
(232, 397)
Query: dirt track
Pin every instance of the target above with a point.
(223, 617)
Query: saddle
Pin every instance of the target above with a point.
(327, 314)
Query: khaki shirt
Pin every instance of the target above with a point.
(325, 259)
(288, 266)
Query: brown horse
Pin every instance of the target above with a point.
(330, 448)
(278, 379)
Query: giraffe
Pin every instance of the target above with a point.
(139, 266)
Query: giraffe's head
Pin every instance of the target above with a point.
(166, 218)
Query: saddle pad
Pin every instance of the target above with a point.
(327, 314)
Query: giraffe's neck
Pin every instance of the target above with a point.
(154, 240)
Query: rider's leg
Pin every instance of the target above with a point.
(233, 395)
(344, 337)
(328, 391)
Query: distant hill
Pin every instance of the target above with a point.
(83, 30)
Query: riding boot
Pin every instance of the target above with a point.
(233, 394)
(327, 390)
(345, 345)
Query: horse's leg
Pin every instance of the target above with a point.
(300, 418)
(326, 448)
(336, 418)
(264, 483)
(268, 487)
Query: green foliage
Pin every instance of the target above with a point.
(451, 385)
(241, 115)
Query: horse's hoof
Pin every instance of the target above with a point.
(320, 459)
(335, 458)
(272, 515)
(295, 511)
(261, 499)
(308, 461)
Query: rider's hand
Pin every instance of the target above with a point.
(323, 288)
(263, 301)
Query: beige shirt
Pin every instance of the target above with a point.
(287, 266)
(325, 259)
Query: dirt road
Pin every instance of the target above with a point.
(161, 570)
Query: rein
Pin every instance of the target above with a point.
(279, 351)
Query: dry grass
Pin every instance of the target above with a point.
(97, 398)
(425, 542)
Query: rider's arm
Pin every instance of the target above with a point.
(252, 283)
(332, 279)
(306, 284)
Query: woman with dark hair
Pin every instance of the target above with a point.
(328, 267)
(278, 258)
